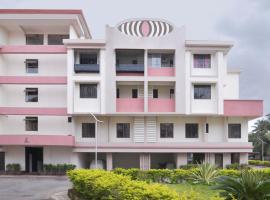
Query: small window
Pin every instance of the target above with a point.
(234, 130)
(88, 130)
(166, 130)
(88, 58)
(31, 95)
(155, 93)
(202, 91)
(56, 39)
(69, 119)
(171, 93)
(88, 90)
(192, 130)
(195, 158)
(31, 66)
(202, 61)
(31, 123)
(123, 130)
(117, 93)
(206, 128)
(134, 93)
(235, 158)
(34, 39)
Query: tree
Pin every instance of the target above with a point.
(261, 130)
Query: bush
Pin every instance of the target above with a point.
(59, 169)
(13, 167)
(259, 163)
(237, 166)
(188, 166)
(206, 173)
(99, 184)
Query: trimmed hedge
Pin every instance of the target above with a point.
(59, 169)
(13, 167)
(259, 163)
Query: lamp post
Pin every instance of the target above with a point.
(96, 145)
(263, 142)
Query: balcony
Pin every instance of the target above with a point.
(130, 68)
(243, 108)
(129, 105)
(86, 68)
(161, 105)
(161, 71)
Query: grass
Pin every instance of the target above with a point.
(204, 190)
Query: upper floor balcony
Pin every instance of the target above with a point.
(129, 62)
(86, 61)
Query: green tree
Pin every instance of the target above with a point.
(261, 130)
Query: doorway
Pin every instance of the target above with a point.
(2, 161)
(219, 160)
(33, 159)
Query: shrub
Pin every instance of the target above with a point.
(59, 169)
(99, 184)
(13, 167)
(259, 163)
(188, 166)
(206, 173)
(237, 166)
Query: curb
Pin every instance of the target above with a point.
(60, 196)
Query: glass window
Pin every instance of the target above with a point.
(31, 123)
(123, 130)
(171, 93)
(195, 158)
(206, 128)
(157, 60)
(134, 93)
(235, 158)
(88, 130)
(117, 93)
(155, 93)
(31, 66)
(192, 130)
(88, 58)
(31, 95)
(154, 60)
(234, 130)
(202, 91)
(219, 160)
(88, 90)
(56, 39)
(202, 60)
(34, 39)
(166, 130)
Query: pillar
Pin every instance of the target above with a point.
(109, 161)
(145, 161)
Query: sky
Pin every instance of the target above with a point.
(245, 22)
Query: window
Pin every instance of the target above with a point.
(134, 62)
(234, 130)
(31, 123)
(171, 93)
(34, 39)
(134, 93)
(166, 130)
(123, 130)
(88, 90)
(31, 95)
(202, 60)
(235, 158)
(56, 39)
(219, 160)
(206, 128)
(88, 130)
(155, 93)
(31, 66)
(117, 93)
(88, 58)
(202, 91)
(195, 158)
(157, 60)
(192, 130)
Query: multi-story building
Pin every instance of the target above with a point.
(164, 101)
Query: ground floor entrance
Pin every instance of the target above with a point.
(33, 159)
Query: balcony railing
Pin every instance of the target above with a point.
(130, 68)
(86, 68)
(161, 71)
(161, 105)
(129, 105)
(245, 108)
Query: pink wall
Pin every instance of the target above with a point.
(245, 108)
(33, 49)
(129, 105)
(33, 111)
(161, 105)
(61, 80)
(37, 140)
(164, 71)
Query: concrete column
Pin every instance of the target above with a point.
(219, 85)
(102, 66)
(70, 84)
(188, 84)
(145, 161)
(76, 160)
(225, 129)
(145, 96)
(181, 159)
(207, 158)
(243, 158)
(226, 159)
(109, 161)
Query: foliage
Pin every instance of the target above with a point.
(206, 174)
(237, 166)
(99, 184)
(249, 186)
(59, 169)
(259, 163)
(188, 166)
(13, 167)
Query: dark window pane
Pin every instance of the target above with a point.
(207, 128)
(134, 93)
(88, 130)
(166, 130)
(235, 158)
(171, 93)
(117, 93)
(34, 39)
(202, 91)
(155, 93)
(192, 130)
(234, 130)
(31, 94)
(88, 90)
(202, 60)
(88, 58)
(195, 158)
(31, 123)
(56, 39)
(123, 130)
(31, 66)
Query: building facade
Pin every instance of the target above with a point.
(164, 101)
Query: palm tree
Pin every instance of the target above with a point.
(250, 186)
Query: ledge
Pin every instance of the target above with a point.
(33, 111)
(45, 80)
(33, 49)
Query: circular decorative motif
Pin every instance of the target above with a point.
(145, 28)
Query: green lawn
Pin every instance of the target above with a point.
(204, 190)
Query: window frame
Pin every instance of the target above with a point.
(27, 39)
(155, 93)
(122, 127)
(231, 134)
(31, 127)
(27, 98)
(91, 133)
(167, 128)
(192, 135)
(28, 67)
(134, 93)
(62, 36)
(201, 62)
(198, 89)
(235, 160)
(89, 95)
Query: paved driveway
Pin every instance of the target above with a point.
(31, 187)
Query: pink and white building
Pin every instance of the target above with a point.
(164, 101)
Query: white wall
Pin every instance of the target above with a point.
(15, 154)
(126, 90)
(231, 86)
(57, 155)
